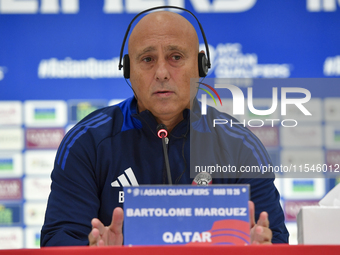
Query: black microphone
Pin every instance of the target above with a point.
(162, 133)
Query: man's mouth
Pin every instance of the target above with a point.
(164, 93)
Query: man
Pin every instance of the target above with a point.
(119, 143)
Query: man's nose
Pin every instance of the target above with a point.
(162, 72)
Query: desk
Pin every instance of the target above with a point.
(183, 250)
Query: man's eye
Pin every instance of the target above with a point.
(176, 57)
(147, 59)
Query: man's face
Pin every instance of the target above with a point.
(163, 54)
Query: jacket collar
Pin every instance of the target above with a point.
(147, 121)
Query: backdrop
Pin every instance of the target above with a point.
(59, 61)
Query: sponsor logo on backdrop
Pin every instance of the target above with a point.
(331, 66)
(37, 239)
(34, 213)
(292, 208)
(11, 139)
(37, 188)
(32, 237)
(11, 238)
(230, 62)
(333, 159)
(42, 113)
(81, 69)
(10, 113)
(322, 5)
(332, 134)
(337, 135)
(304, 188)
(80, 109)
(6, 164)
(301, 136)
(10, 189)
(332, 109)
(10, 214)
(39, 162)
(10, 165)
(48, 138)
(269, 136)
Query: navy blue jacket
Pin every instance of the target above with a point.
(116, 146)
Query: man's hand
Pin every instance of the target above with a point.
(110, 235)
(259, 232)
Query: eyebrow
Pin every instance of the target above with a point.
(175, 47)
(168, 48)
(146, 50)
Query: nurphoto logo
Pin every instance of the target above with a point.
(238, 103)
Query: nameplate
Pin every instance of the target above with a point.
(187, 215)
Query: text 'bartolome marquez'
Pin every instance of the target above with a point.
(182, 212)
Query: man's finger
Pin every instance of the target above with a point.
(99, 225)
(265, 243)
(262, 235)
(94, 237)
(263, 220)
(100, 243)
(117, 221)
(116, 227)
(251, 213)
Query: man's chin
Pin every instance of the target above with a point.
(167, 112)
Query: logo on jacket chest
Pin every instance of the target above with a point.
(126, 179)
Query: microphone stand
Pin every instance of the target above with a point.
(163, 133)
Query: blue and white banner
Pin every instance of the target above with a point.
(158, 215)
